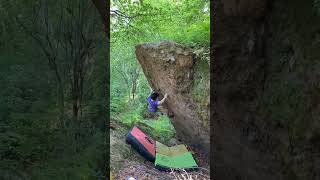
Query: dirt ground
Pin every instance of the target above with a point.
(126, 162)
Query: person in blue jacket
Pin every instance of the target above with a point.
(154, 103)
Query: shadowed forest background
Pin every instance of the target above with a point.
(52, 98)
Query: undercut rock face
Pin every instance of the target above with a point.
(249, 8)
(266, 103)
(170, 68)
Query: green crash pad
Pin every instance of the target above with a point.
(174, 157)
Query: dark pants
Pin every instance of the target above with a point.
(155, 115)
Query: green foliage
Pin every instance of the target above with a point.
(189, 23)
(117, 105)
(161, 128)
(200, 88)
(183, 21)
(186, 21)
(131, 118)
(70, 162)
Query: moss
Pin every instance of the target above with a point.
(200, 91)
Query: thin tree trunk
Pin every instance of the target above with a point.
(75, 110)
(60, 102)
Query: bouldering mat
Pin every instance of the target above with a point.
(142, 143)
(175, 157)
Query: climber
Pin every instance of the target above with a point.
(154, 103)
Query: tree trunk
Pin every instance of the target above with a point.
(76, 99)
(75, 110)
(133, 89)
(60, 102)
(103, 8)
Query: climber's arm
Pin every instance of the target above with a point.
(165, 97)
(151, 91)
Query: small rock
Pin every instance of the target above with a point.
(173, 142)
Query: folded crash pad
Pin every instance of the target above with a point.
(176, 157)
(142, 143)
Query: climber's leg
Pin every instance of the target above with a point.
(151, 115)
(163, 111)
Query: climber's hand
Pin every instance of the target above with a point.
(164, 98)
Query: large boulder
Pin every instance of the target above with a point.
(170, 68)
(266, 83)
